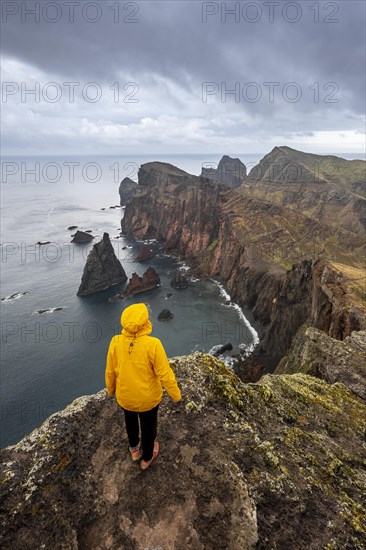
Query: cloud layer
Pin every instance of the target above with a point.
(182, 77)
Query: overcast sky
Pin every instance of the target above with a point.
(156, 76)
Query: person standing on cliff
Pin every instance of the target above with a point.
(136, 369)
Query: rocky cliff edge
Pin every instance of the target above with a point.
(278, 464)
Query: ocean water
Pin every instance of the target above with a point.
(49, 359)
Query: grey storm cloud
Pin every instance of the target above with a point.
(192, 43)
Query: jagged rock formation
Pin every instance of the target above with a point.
(102, 269)
(230, 171)
(127, 189)
(137, 284)
(314, 352)
(270, 465)
(284, 265)
(82, 237)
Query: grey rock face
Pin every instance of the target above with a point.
(230, 171)
(315, 352)
(102, 269)
(127, 189)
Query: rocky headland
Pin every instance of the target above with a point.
(126, 190)
(289, 243)
(102, 269)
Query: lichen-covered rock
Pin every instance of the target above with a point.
(273, 465)
(314, 352)
(102, 269)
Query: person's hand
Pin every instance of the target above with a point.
(177, 401)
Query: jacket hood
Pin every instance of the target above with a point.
(135, 321)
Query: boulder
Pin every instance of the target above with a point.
(82, 237)
(72, 227)
(165, 315)
(179, 281)
(219, 350)
(102, 269)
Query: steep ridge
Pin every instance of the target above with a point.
(284, 164)
(275, 261)
(273, 465)
(328, 189)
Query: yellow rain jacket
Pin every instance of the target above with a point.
(137, 364)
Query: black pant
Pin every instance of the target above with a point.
(149, 424)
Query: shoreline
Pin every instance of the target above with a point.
(244, 314)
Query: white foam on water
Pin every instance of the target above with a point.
(14, 296)
(248, 349)
(50, 310)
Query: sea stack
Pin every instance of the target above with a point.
(137, 284)
(102, 269)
